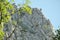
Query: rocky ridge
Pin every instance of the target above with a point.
(29, 27)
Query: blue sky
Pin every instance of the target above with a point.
(50, 8)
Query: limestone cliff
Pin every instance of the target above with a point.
(29, 27)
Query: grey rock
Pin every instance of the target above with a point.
(29, 27)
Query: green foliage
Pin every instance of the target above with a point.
(1, 31)
(5, 15)
(57, 36)
(26, 8)
(4, 7)
(1, 35)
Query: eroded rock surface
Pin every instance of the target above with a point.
(29, 27)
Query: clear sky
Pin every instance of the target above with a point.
(50, 8)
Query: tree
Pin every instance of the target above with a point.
(5, 15)
(57, 36)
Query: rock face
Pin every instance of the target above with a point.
(29, 27)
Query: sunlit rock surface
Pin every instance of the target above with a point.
(29, 27)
